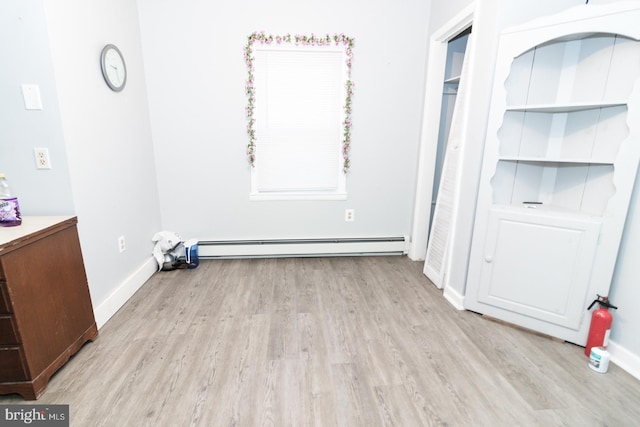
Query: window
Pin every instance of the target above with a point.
(300, 121)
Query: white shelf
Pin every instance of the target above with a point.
(584, 136)
(564, 108)
(582, 188)
(576, 161)
(452, 80)
(547, 210)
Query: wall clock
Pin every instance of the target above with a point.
(113, 67)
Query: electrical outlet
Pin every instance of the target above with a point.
(349, 215)
(42, 158)
(121, 244)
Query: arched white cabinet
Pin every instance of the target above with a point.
(561, 155)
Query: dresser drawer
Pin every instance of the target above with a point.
(5, 307)
(11, 366)
(8, 332)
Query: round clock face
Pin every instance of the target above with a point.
(113, 68)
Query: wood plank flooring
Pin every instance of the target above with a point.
(363, 341)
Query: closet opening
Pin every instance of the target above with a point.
(456, 49)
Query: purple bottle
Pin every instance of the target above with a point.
(9, 207)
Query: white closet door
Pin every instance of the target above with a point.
(436, 261)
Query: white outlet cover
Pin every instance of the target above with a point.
(42, 158)
(349, 215)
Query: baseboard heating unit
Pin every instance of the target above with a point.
(282, 248)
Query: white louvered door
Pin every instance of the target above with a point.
(445, 210)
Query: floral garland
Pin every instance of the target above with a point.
(311, 40)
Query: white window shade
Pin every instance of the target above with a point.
(300, 95)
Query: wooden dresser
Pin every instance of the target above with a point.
(45, 307)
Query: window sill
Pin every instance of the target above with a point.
(257, 197)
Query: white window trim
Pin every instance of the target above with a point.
(340, 192)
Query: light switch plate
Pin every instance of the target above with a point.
(31, 95)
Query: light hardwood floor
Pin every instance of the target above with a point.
(326, 342)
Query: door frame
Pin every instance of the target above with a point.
(437, 58)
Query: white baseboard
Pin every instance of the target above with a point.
(127, 288)
(625, 359)
(454, 297)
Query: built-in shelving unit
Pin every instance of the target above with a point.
(560, 161)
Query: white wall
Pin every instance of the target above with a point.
(625, 289)
(196, 74)
(26, 54)
(108, 142)
(443, 11)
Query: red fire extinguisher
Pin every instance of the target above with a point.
(600, 327)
